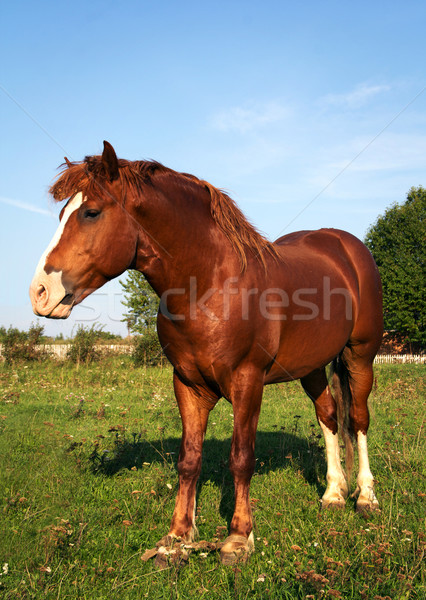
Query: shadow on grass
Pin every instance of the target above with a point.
(274, 450)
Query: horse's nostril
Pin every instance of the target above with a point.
(41, 293)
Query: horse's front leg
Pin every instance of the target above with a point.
(194, 412)
(246, 400)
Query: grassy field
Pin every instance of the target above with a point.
(88, 481)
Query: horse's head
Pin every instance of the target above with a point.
(96, 239)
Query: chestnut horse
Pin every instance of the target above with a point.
(237, 312)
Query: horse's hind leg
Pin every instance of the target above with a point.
(316, 386)
(360, 381)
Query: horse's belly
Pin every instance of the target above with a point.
(307, 349)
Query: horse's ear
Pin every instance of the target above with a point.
(110, 161)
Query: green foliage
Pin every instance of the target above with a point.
(22, 345)
(398, 243)
(141, 301)
(83, 345)
(147, 349)
(108, 337)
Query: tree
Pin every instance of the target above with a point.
(142, 303)
(397, 241)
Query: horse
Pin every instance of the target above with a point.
(237, 312)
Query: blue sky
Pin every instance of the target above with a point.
(309, 114)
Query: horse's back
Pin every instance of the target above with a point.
(340, 251)
(323, 239)
(336, 246)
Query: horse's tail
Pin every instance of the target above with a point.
(343, 397)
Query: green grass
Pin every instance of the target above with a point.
(88, 481)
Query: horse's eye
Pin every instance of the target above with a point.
(91, 213)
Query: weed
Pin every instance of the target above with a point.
(83, 346)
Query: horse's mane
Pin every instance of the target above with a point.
(89, 177)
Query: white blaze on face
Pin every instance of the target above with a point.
(47, 290)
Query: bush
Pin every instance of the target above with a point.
(22, 345)
(147, 349)
(107, 337)
(83, 348)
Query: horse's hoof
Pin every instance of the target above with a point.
(365, 507)
(367, 501)
(333, 504)
(162, 558)
(236, 549)
(168, 540)
(170, 550)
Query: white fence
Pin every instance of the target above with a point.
(60, 351)
(399, 358)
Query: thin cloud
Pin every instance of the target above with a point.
(391, 152)
(248, 118)
(356, 98)
(25, 206)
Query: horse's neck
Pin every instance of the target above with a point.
(175, 247)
